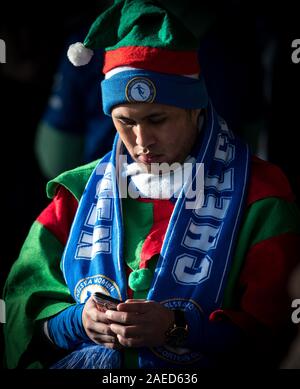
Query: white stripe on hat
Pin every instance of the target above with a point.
(120, 69)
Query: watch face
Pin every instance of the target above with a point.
(177, 336)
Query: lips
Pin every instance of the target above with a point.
(150, 158)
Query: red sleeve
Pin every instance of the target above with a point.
(59, 214)
(267, 180)
(265, 279)
(263, 284)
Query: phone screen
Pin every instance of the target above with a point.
(105, 302)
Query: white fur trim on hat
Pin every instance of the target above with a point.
(79, 55)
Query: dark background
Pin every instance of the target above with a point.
(35, 34)
(249, 51)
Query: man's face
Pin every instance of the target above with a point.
(167, 132)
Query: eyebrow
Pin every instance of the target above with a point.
(150, 116)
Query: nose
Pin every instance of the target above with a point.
(144, 136)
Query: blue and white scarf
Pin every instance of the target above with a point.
(198, 247)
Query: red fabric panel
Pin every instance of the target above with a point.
(267, 180)
(151, 58)
(129, 290)
(162, 210)
(264, 284)
(59, 214)
(240, 318)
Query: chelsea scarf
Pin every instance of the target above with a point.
(196, 254)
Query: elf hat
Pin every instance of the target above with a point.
(150, 53)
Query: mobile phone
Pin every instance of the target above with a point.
(104, 302)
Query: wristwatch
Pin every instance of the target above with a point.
(177, 333)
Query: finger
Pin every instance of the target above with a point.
(121, 317)
(127, 331)
(115, 346)
(100, 328)
(134, 300)
(137, 306)
(130, 342)
(100, 339)
(98, 316)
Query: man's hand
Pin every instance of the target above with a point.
(96, 325)
(139, 323)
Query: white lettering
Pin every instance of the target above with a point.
(185, 270)
(84, 248)
(225, 182)
(91, 218)
(215, 206)
(201, 237)
(198, 182)
(2, 312)
(119, 379)
(296, 53)
(296, 312)
(2, 51)
(101, 241)
(104, 208)
(224, 150)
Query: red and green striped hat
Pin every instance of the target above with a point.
(150, 53)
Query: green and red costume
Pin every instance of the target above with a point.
(256, 297)
(153, 43)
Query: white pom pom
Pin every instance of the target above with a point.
(79, 55)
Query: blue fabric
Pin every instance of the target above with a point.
(179, 91)
(215, 339)
(74, 106)
(90, 357)
(198, 247)
(66, 329)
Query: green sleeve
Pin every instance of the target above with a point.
(57, 150)
(35, 290)
(74, 180)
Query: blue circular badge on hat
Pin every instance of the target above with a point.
(140, 90)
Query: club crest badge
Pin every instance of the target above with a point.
(98, 283)
(181, 355)
(140, 90)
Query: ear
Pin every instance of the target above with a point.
(195, 115)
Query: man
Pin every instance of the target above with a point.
(195, 237)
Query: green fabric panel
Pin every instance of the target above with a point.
(152, 27)
(147, 23)
(104, 30)
(57, 151)
(264, 219)
(131, 356)
(74, 180)
(151, 266)
(135, 232)
(136, 229)
(35, 290)
(35, 365)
